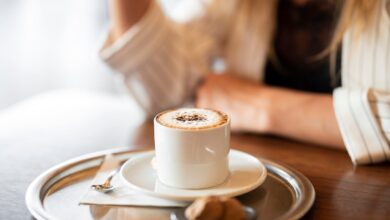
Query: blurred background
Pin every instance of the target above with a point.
(51, 44)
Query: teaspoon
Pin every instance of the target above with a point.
(106, 186)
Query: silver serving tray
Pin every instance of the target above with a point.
(286, 193)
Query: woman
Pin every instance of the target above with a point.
(282, 64)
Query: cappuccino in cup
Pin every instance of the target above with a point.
(192, 147)
(192, 118)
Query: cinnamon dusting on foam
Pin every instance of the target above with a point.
(192, 118)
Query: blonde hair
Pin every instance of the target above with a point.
(359, 13)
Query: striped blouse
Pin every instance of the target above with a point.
(161, 61)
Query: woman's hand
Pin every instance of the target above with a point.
(265, 109)
(242, 100)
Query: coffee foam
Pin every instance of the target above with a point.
(192, 118)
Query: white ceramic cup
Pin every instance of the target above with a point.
(192, 159)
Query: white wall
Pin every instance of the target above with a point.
(51, 44)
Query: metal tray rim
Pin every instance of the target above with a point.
(34, 194)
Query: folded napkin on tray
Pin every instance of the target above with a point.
(122, 194)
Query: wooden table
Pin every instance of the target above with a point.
(343, 191)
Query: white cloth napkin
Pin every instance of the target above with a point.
(122, 195)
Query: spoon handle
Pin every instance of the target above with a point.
(110, 176)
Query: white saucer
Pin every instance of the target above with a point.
(246, 174)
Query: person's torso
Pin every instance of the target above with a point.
(304, 29)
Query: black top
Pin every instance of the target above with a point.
(318, 80)
(304, 30)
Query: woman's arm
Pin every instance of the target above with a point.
(304, 116)
(156, 57)
(124, 14)
(263, 109)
